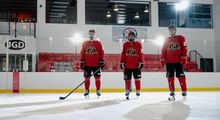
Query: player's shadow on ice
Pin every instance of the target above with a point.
(64, 108)
(163, 110)
(13, 105)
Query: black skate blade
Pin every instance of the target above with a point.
(127, 98)
(138, 95)
(98, 95)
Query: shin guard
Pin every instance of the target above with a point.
(138, 84)
(97, 83)
(127, 84)
(171, 84)
(182, 81)
(87, 83)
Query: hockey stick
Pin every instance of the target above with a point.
(63, 98)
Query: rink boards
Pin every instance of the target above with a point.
(54, 82)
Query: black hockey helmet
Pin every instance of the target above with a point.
(131, 33)
(171, 27)
(91, 30)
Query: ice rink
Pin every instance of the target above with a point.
(110, 106)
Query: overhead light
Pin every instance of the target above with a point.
(137, 16)
(56, 2)
(121, 21)
(54, 16)
(121, 18)
(50, 38)
(56, 6)
(159, 40)
(58, 14)
(146, 9)
(116, 8)
(183, 5)
(108, 14)
(122, 12)
(121, 15)
(58, 10)
(130, 1)
(77, 38)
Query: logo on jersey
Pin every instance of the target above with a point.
(131, 52)
(173, 46)
(91, 50)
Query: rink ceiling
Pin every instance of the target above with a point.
(58, 82)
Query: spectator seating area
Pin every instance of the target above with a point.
(64, 62)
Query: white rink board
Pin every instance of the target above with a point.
(68, 80)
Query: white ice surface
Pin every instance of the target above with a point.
(110, 106)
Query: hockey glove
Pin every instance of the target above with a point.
(122, 66)
(101, 64)
(82, 65)
(183, 60)
(140, 65)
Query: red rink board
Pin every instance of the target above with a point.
(15, 82)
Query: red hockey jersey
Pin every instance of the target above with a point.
(92, 53)
(132, 54)
(174, 49)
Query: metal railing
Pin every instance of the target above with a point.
(194, 55)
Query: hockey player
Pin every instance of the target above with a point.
(174, 56)
(132, 63)
(91, 61)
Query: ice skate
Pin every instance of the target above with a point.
(138, 93)
(172, 97)
(86, 94)
(184, 94)
(127, 94)
(98, 93)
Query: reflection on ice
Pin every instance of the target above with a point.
(110, 106)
